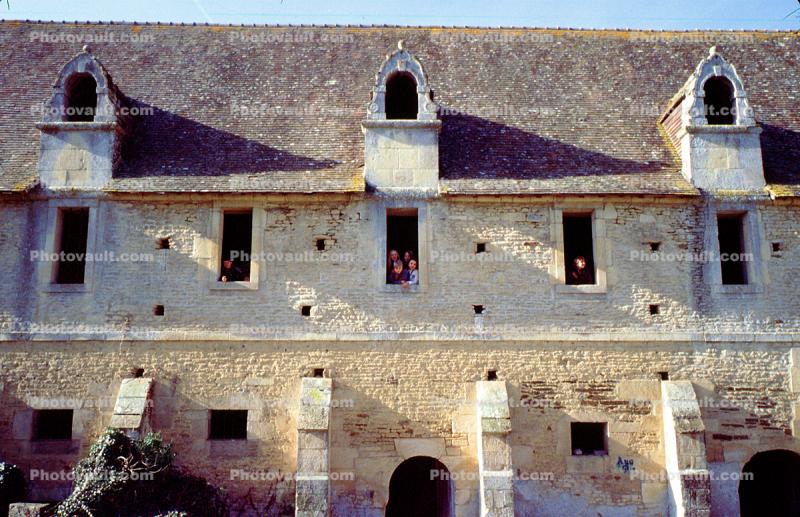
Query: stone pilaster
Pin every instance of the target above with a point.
(312, 497)
(685, 451)
(494, 449)
(132, 409)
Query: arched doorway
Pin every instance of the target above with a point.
(773, 489)
(420, 487)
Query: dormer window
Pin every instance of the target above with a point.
(80, 98)
(719, 101)
(401, 96)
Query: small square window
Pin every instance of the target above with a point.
(305, 310)
(777, 248)
(163, 243)
(654, 246)
(491, 375)
(480, 247)
(478, 309)
(664, 376)
(589, 438)
(320, 244)
(237, 237)
(158, 310)
(52, 424)
(72, 234)
(227, 424)
(654, 309)
(318, 372)
(578, 249)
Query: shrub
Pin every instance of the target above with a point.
(134, 477)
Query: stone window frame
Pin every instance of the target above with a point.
(380, 211)
(753, 244)
(693, 111)
(47, 269)
(600, 249)
(215, 244)
(587, 463)
(401, 60)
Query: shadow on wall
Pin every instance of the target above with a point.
(163, 143)
(472, 147)
(780, 149)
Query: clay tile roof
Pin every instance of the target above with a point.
(536, 111)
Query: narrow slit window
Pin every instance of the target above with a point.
(589, 438)
(72, 234)
(732, 256)
(227, 424)
(402, 247)
(578, 249)
(719, 101)
(237, 238)
(81, 98)
(52, 424)
(401, 96)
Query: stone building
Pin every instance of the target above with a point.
(657, 380)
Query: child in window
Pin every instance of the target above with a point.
(408, 256)
(413, 273)
(398, 275)
(394, 256)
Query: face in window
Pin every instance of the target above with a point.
(412, 265)
(580, 263)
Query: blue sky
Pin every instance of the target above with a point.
(667, 14)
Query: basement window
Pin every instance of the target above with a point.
(52, 424)
(589, 438)
(402, 246)
(578, 249)
(401, 96)
(80, 102)
(72, 232)
(237, 236)
(732, 252)
(227, 424)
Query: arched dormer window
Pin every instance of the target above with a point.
(715, 95)
(719, 101)
(401, 90)
(401, 96)
(80, 98)
(83, 92)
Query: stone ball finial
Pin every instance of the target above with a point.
(87, 49)
(401, 45)
(715, 50)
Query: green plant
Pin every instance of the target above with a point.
(134, 477)
(12, 486)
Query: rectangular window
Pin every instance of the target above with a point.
(589, 438)
(52, 424)
(72, 233)
(578, 250)
(227, 424)
(237, 237)
(402, 246)
(732, 257)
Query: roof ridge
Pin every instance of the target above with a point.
(386, 26)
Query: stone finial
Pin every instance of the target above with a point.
(87, 49)
(714, 51)
(401, 45)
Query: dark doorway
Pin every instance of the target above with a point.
(420, 487)
(237, 235)
(578, 243)
(73, 233)
(733, 261)
(81, 98)
(719, 101)
(401, 96)
(773, 487)
(402, 234)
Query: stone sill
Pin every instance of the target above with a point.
(395, 288)
(65, 288)
(738, 289)
(581, 289)
(402, 124)
(733, 128)
(76, 126)
(233, 286)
